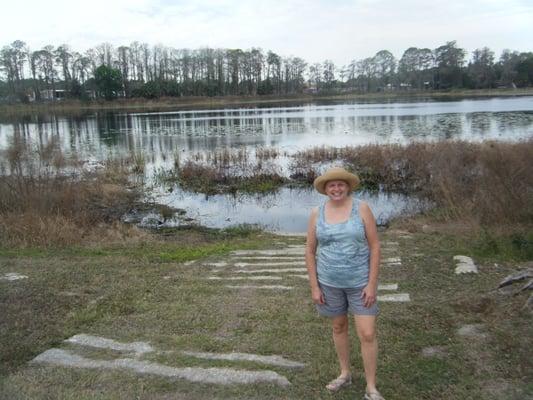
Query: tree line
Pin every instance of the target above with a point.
(141, 70)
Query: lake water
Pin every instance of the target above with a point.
(160, 135)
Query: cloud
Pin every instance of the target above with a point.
(340, 30)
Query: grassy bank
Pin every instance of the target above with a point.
(146, 292)
(88, 273)
(68, 107)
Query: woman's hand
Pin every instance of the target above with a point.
(317, 296)
(369, 295)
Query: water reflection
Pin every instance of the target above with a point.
(99, 135)
(284, 211)
(159, 136)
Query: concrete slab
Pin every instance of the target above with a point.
(138, 348)
(389, 286)
(269, 270)
(272, 264)
(292, 234)
(394, 298)
(12, 276)
(241, 278)
(387, 243)
(434, 351)
(274, 252)
(472, 330)
(392, 260)
(221, 376)
(268, 360)
(465, 265)
(216, 264)
(267, 258)
(301, 276)
(270, 287)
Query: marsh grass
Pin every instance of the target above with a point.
(489, 182)
(226, 170)
(211, 180)
(47, 199)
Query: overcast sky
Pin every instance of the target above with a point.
(316, 30)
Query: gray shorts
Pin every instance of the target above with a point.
(341, 301)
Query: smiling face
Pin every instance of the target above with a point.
(337, 190)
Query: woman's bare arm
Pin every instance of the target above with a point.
(371, 232)
(310, 258)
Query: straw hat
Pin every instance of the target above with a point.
(335, 174)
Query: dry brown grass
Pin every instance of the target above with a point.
(209, 179)
(227, 170)
(46, 200)
(490, 182)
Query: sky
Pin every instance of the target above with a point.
(315, 30)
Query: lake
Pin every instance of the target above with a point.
(160, 135)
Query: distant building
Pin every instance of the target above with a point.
(60, 94)
(49, 94)
(311, 90)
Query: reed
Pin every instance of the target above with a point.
(224, 170)
(268, 153)
(46, 199)
(210, 179)
(490, 182)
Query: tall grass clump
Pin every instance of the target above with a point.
(489, 182)
(211, 179)
(225, 170)
(45, 199)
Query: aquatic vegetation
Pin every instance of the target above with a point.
(490, 181)
(47, 198)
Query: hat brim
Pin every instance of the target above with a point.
(336, 175)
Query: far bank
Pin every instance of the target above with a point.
(73, 107)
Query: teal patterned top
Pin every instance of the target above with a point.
(343, 256)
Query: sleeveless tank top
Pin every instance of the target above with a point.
(343, 256)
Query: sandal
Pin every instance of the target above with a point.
(338, 383)
(373, 396)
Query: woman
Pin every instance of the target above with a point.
(342, 257)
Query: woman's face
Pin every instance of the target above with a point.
(337, 190)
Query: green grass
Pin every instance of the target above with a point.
(148, 294)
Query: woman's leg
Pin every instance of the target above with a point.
(366, 331)
(342, 342)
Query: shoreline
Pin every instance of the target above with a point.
(182, 103)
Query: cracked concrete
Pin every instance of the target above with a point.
(273, 270)
(272, 264)
(242, 278)
(266, 258)
(272, 287)
(395, 298)
(269, 360)
(221, 376)
(465, 265)
(12, 276)
(138, 348)
(276, 252)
